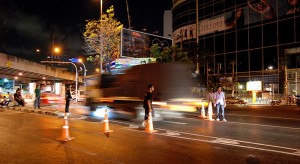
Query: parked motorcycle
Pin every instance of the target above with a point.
(275, 103)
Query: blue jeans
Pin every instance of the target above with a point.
(218, 109)
(37, 102)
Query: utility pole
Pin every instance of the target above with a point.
(197, 38)
(128, 15)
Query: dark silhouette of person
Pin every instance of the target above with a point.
(68, 99)
(18, 97)
(148, 103)
(236, 19)
(264, 8)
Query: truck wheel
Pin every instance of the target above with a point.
(93, 107)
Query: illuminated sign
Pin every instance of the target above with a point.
(254, 86)
(122, 63)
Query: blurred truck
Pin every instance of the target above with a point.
(123, 93)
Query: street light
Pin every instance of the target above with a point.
(84, 74)
(55, 50)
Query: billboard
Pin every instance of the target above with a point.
(254, 86)
(137, 44)
(252, 11)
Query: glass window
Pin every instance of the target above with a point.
(208, 10)
(286, 31)
(293, 61)
(255, 37)
(242, 61)
(219, 43)
(242, 39)
(230, 42)
(209, 43)
(270, 34)
(229, 4)
(298, 28)
(256, 60)
(219, 65)
(230, 62)
(219, 6)
(270, 57)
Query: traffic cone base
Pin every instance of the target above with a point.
(106, 127)
(149, 125)
(210, 112)
(65, 135)
(106, 123)
(202, 112)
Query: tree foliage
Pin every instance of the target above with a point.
(168, 54)
(103, 37)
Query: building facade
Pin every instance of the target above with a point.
(256, 40)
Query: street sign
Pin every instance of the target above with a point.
(74, 60)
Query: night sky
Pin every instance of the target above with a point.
(26, 25)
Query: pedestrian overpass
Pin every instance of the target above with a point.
(25, 73)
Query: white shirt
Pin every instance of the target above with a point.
(220, 97)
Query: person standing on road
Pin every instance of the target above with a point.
(148, 103)
(220, 103)
(68, 99)
(37, 100)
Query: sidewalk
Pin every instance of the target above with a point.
(42, 110)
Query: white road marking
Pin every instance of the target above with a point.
(79, 118)
(297, 152)
(284, 127)
(171, 133)
(234, 143)
(225, 141)
(283, 118)
(181, 123)
(133, 126)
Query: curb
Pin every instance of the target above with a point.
(37, 111)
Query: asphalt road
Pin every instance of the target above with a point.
(252, 134)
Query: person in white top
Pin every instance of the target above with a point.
(220, 103)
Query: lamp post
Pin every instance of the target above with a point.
(101, 44)
(101, 3)
(84, 74)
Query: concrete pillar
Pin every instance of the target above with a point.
(32, 87)
(58, 88)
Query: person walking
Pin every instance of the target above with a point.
(37, 100)
(68, 99)
(148, 103)
(220, 103)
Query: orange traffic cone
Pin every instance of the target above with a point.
(106, 123)
(65, 133)
(202, 111)
(149, 125)
(210, 112)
